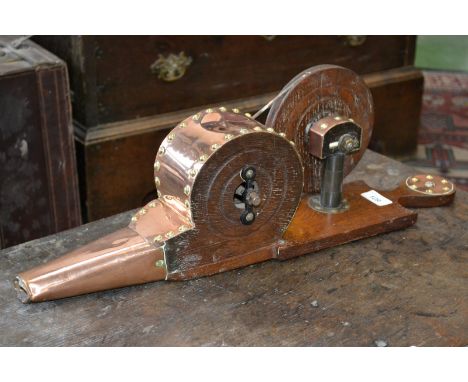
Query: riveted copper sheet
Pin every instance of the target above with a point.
(318, 92)
(163, 234)
(119, 259)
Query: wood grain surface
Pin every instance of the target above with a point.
(404, 288)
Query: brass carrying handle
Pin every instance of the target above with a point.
(171, 67)
(355, 40)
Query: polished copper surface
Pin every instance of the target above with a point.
(319, 130)
(119, 259)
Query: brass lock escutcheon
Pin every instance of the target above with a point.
(355, 40)
(171, 67)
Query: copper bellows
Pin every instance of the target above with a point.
(195, 228)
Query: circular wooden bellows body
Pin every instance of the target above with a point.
(319, 92)
(197, 217)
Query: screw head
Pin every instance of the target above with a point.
(429, 184)
(250, 216)
(159, 264)
(323, 126)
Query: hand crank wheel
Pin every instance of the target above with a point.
(318, 92)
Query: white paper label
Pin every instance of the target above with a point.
(376, 198)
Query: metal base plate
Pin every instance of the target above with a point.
(314, 203)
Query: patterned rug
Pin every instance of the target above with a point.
(443, 133)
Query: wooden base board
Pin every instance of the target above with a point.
(311, 230)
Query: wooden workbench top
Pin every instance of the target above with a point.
(404, 288)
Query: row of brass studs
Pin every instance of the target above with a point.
(429, 184)
(324, 126)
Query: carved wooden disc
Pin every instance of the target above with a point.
(321, 91)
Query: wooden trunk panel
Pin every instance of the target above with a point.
(223, 68)
(38, 181)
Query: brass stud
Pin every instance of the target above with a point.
(192, 172)
(196, 117)
(203, 158)
(157, 165)
(292, 142)
(413, 186)
(351, 120)
(282, 135)
(446, 188)
(169, 234)
(187, 204)
(157, 181)
(159, 263)
(228, 137)
(134, 218)
(152, 204)
(183, 228)
(414, 180)
(337, 118)
(187, 189)
(210, 110)
(142, 212)
(162, 150)
(257, 128)
(222, 108)
(429, 191)
(323, 126)
(235, 110)
(444, 181)
(157, 239)
(270, 130)
(182, 125)
(248, 115)
(171, 137)
(429, 177)
(215, 147)
(243, 131)
(159, 194)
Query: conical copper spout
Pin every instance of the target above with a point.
(119, 259)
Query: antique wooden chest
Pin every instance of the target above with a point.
(129, 90)
(38, 180)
